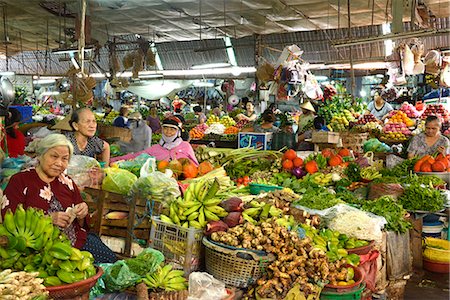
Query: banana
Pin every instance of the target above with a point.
(166, 219)
(185, 224)
(201, 216)
(195, 224)
(248, 218)
(30, 220)
(193, 216)
(216, 209)
(4, 232)
(197, 187)
(189, 195)
(212, 202)
(175, 273)
(203, 191)
(19, 219)
(210, 216)
(186, 204)
(9, 223)
(265, 211)
(190, 210)
(253, 211)
(164, 271)
(212, 190)
(176, 287)
(175, 219)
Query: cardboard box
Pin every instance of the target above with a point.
(256, 140)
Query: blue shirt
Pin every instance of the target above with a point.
(120, 121)
(379, 113)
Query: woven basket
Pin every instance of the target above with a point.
(75, 291)
(354, 141)
(239, 268)
(110, 132)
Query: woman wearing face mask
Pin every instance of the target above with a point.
(170, 147)
(141, 135)
(83, 137)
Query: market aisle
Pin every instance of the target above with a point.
(427, 285)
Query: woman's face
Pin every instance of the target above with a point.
(87, 125)
(55, 161)
(169, 131)
(153, 111)
(378, 99)
(249, 106)
(432, 128)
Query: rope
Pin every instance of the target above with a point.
(82, 39)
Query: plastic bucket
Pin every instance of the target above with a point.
(334, 294)
(433, 229)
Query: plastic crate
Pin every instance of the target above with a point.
(26, 112)
(181, 246)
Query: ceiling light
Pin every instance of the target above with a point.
(203, 84)
(44, 81)
(230, 52)
(50, 93)
(199, 72)
(70, 50)
(7, 73)
(236, 71)
(99, 75)
(210, 66)
(149, 76)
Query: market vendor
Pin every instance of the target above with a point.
(249, 115)
(47, 187)
(170, 147)
(15, 140)
(268, 118)
(122, 119)
(379, 107)
(430, 141)
(141, 135)
(305, 121)
(83, 137)
(153, 120)
(200, 114)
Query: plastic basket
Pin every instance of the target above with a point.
(26, 112)
(256, 188)
(239, 268)
(333, 294)
(181, 246)
(75, 291)
(434, 254)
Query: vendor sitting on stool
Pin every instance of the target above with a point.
(430, 141)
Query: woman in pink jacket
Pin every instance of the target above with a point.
(171, 146)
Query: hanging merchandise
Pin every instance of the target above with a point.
(417, 48)
(431, 62)
(233, 100)
(445, 73)
(264, 73)
(228, 87)
(311, 88)
(407, 58)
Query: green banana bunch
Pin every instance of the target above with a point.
(260, 211)
(166, 278)
(36, 245)
(370, 173)
(199, 205)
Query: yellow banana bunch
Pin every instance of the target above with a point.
(323, 179)
(199, 205)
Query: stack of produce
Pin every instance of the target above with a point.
(21, 285)
(109, 119)
(231, 130)
(196, 134)
(166, 279)
(372, 127)
(212, 119)
(410, 110)
(341, 121)
(227, 121)
(395, 132)
(401, 117)
(215, 128)
(36, 245)
(437, 110)
(366, 118)
(429, 163)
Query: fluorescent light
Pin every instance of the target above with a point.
(99, 75)
(321, 77)
(370, 65)
(7, 73)
(388, 44)
(44, 81)
(53, 93)
(230, 52)
(70, 50)
(157, 57)
(203, 84)
(210, 66)
(386, 28)
(149, 76)
(198, 72)
(236, 71)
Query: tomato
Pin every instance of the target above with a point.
(240, 180)
(246, 179)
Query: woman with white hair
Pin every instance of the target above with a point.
(46, 187)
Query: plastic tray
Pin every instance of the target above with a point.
(256, 188)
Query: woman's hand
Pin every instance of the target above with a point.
(61, 219)
(81, 210)
(441, 149)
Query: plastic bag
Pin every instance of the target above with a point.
(85, 171)
(135, 165)
(118, 181)
(148, 167)
(156, 186)
(117, 276)
(377, 190)
(203, 286)
(354, 222)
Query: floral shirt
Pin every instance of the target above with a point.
(27, 188)
(419, 147)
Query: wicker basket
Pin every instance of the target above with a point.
(354, 141)
(238, 268)
(325, 137)
(75, 291)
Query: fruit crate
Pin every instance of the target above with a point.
(135, 225)
(113, 132)
(325, 137)
(181, 246)
(354, 141)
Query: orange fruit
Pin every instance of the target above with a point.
(287, 164)
(290, 154)
(162, 165)
(298, 162)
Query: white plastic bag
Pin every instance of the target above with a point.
(148, 167)
(203, 286)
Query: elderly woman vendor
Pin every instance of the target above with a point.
(430, 141)
(46, 187)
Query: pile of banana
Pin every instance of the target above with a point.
(36, 245)
(21, 285)
(199, 206)
(323, 179)
(167, 279)
(370, 173)
(257, 211)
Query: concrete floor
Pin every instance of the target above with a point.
(424, 285)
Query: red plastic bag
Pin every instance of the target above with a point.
(368, 267)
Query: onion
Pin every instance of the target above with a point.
(298, 172)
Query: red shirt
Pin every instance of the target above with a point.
(16, 145)
(26, 187)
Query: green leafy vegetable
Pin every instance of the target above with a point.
(392, 211)
(420, 197)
